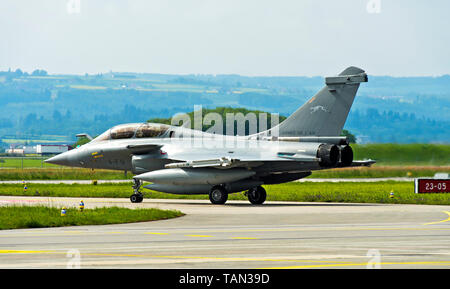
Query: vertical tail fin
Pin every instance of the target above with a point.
(326, 112)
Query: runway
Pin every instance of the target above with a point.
(239, 235)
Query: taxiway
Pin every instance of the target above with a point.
(239, 235)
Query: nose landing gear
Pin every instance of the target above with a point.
(218, 195)
(137, 196)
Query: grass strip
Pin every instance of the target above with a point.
(404, 154)
(354, 192)
(381, 172)
(88, 174)
(15, 217)
(61, 174)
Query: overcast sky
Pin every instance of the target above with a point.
(247, 37)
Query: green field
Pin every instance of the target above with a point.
(55, 173)
(15, 217)
(404, 154)
(376, 192)
(26, 162)
(377, 171)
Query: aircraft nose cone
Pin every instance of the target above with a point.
(61, 159)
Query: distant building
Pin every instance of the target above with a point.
(14, 151)
(49, 149)
(29, 150)
(42, 149)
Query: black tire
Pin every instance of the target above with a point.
(257, 196)
(136, 198)
(218, 195)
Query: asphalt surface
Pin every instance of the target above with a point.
(238, 235)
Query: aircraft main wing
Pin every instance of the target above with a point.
(221, 162)
(185, 157)
(218, 160)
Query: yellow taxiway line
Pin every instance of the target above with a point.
(81, 233)
(443, 221)
(432, 263)
(322, 263)
(225, 259)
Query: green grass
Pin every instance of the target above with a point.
(381, 172)
(15, 217)
(376, 192)
(55, 173)
(24, 163)
(61, 174)
(122, 190)
(404, 154)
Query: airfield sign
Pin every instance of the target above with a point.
(431, 185)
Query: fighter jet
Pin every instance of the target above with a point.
(180, 160)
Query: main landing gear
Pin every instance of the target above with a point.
(257, 195)
(136, 197)
(219, 195)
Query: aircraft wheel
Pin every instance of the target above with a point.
(257, 195)
(218, 195)
(136, 198)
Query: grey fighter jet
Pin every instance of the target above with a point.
(179, 160)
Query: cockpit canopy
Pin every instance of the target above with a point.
(133, 130)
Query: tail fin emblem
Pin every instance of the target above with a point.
(317, 108)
